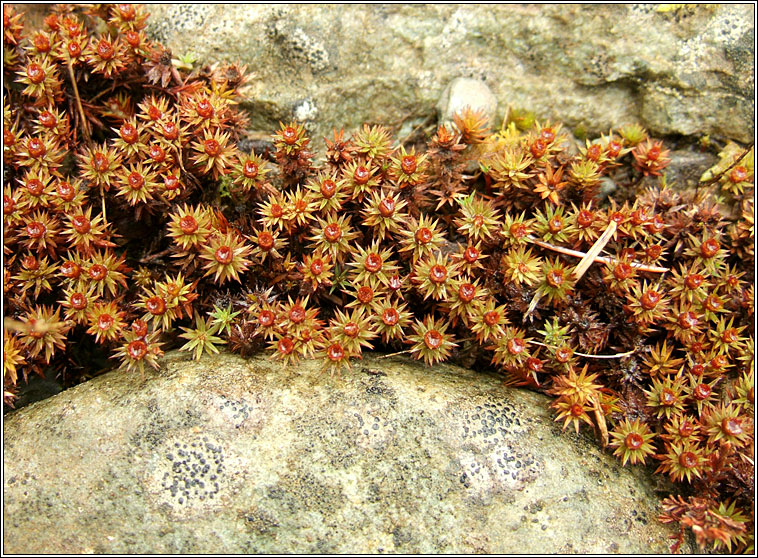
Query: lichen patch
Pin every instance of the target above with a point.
(191, 473)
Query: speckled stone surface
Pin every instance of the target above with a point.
(688, 70)
(228, 455)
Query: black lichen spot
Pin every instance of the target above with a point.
(190, 472)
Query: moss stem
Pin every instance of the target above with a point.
(85, 124)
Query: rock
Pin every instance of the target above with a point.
(462, 92)
(687, 167)
(228, 455)
(688, 70)
(607, 188)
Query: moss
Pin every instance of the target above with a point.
(134, 206)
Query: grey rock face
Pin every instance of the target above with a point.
(686, 71)
(687, 167)
(230, 455)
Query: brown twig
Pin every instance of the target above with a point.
(395, 354)
(151, 257)
(532, 305)
(601, 259)
(600, 420)
(588, 258)
(585, 355)
(726, 170)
